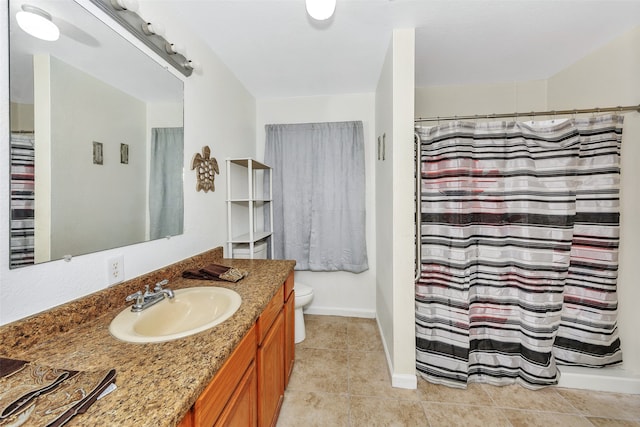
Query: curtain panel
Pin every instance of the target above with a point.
(166, 194)
(318, 194)
(22, 246)
(519, 235)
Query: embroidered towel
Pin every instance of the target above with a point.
(36, 395)
(216, 272)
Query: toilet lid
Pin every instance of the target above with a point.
(302, 289)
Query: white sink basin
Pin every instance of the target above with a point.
(192, 310)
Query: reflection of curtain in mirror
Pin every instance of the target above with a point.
(166, 199)
(22, 199)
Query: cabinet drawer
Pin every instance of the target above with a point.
(269, 314)
(214, 398)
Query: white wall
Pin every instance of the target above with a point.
(607, 77)
(458, 100)
(219, 112)
(164, 115)
(42, 162)
(395, 294)
(21, 117)
(336, 293)
(384, 208)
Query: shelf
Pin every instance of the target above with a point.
(245, 162)
(249, 200)
(245, 199)
(245, 238)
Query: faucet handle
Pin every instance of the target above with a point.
(160, 284)
(138, 297)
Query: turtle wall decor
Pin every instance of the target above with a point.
(206, 168)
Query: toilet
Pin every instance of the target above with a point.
(304, 295)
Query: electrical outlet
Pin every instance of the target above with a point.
(115, 270)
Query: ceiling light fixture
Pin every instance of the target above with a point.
(150, 29)
(131, 5)
(174, 48)
(150, 34)
(37, 22)
(320, 9)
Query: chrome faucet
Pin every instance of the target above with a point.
(148, 298)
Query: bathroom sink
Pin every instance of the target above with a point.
(192, 310)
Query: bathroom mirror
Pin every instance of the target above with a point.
(86, 111)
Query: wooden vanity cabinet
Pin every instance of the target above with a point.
(229, 390)
(242, 409)
(289, 328)
(248, 390)
(270, 361)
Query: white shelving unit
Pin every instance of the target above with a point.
(247, 203)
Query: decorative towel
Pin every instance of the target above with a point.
(37, 395)
(216, 272)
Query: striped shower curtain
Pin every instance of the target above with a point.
(519, 234)
(22, 245)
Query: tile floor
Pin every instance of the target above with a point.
(341, 378)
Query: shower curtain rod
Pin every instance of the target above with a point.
(531, 114)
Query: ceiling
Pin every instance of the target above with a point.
(276, 50)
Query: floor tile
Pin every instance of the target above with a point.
(320, 370)
(369, 376)
(328, 332)
(474, 394)
(517, 397)
(363, 335)
(372, 412)
(449, 415)
(341, 378)
(311, 409)
(609, 422)
(602, 404)
(544, 419)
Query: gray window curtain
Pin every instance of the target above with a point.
(166, 198)
(318, 195)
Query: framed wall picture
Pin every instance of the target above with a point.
(97, 153)
(124, 154)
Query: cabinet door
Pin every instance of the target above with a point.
(187, 421)
(289, 336)
(242, 408)
(213, 400)
(270, 359)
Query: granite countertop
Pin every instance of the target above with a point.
(157, 383)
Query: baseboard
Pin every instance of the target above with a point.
(404, 381)
(612, 379)
(386, 351)
(397, 380)
(344, 312)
